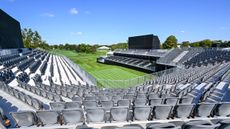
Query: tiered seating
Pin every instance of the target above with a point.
(23, 77)
(33, 67)
(208, 56)
(25, 64)
(195, 97)
(135, 62)
(22, 96)
(170, 56)
(6, 75)
(142, 52)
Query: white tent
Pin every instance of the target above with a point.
(103, 48)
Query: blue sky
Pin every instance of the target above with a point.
(112, 21)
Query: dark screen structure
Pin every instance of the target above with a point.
(144, 42)
(10, 32)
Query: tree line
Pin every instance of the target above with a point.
(171, 42)
(32, 39)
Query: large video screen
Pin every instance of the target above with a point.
(144, 42)
(10, 32)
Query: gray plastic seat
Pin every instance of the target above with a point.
(37, 104)
(107, 105)
(28, 99)
(24, 118)
(154, 102)
(49, 95)
(225, 124)
(141, 112)
(96, 114)
(72, 105)
(57, 105)
(162, 126)
(22, 97)
(200, 125)
(205, 109)
(186, 100)
(183, 110)
(153, 96)
(89, 104)
(48, 117)
(73, 116)
(64, 93)
(140, 102)
(77, 98)
(123, 102)
(119, 113)
(223, 109)
(171, 101)
(162, 111)
(90, 98)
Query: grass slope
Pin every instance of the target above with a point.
(110, 76)
(98, 70)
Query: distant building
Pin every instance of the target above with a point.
(10, 32)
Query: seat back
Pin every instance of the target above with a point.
(48, 117)
(89, 104)
(142, 112)
(200, 124)
(123, 102)
(57, 105)
(107, 105)
(162, 111)
(205, 109)
(183, 110)
(24, 118)
(223, 109)
(154, 102)
(73, 116)
(119, 113)
(96, 114)
(72, 105)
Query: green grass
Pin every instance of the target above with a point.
(100, 71)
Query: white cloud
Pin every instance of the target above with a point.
(76, 33)
(73, 11)
(182, 31)
(48, 15)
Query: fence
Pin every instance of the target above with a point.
(105, 83)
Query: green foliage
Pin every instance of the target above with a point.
(205, 43)
(171, 42)
(119, 46)
(185, 44)
(32, 39)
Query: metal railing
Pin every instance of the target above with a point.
(105, 83)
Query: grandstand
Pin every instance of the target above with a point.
(40, 90)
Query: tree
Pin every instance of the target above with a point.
(170, 42)
(119, 46)
(185, 44)
(32, 39)
(205, 43)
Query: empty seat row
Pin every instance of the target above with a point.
(41, 92)
(118, 114)
(37, 104)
